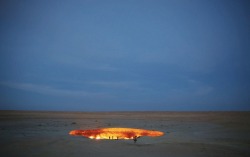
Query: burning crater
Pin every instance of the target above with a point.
(116, 133)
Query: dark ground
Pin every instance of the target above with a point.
(204, 134)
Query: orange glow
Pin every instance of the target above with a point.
(115, 133)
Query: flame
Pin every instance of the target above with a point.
(115, 133)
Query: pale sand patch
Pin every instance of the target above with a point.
(214, 134)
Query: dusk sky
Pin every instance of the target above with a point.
(125, 55)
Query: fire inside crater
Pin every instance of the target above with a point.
(116, 133)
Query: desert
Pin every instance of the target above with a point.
(45, 134)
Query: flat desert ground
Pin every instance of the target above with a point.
(187, 134)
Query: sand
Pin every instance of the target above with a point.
(187, 134)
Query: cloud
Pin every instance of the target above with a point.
(203, 90)
(112, 84)
(119, 85)
(83, 62)
(194, 91)
(49, 90)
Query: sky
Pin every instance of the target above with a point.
(125, 55)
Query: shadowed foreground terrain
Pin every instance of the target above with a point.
(45, 134)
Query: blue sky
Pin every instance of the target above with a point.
(96, 55)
